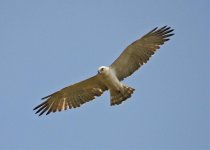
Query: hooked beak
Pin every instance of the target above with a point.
(98, 72)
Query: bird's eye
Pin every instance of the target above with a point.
(102, 69)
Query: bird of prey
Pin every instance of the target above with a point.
(108, 78)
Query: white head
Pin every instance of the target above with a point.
(103, 69)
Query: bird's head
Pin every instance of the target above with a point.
(102, 69)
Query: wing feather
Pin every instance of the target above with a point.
(140, 51)
(72, 96)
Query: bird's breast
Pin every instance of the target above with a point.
(110, 80)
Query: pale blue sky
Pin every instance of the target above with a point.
(49, 44)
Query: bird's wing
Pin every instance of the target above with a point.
(139, 52)
(72, 96)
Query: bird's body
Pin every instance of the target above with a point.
(108, 78)
(118, 91)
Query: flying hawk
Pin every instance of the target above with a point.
(108, 78)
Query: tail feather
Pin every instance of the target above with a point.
(118, 96)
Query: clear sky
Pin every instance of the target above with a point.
(46, 45)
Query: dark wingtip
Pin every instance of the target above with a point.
(36, 107)
(43, 111)
(49, 111)
(165, 32)
(164, 27)
(45, 97)
(171, 34)
(36, 112)
(166, 40)
(155, 28)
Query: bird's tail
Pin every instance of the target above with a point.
(118, 96)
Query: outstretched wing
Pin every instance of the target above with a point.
(139, 52)
(72, 96)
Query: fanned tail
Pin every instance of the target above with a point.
(118, 96)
